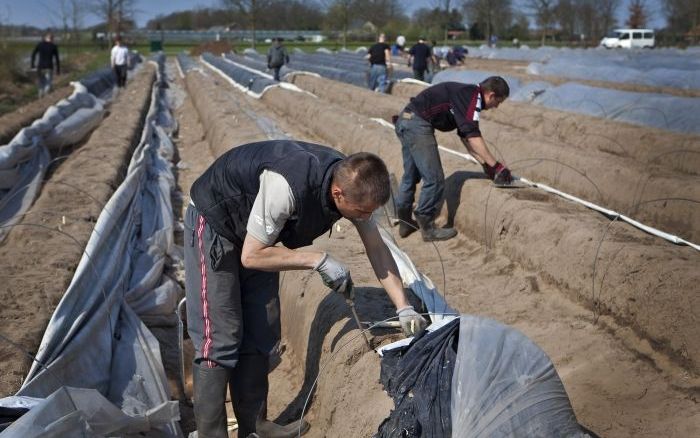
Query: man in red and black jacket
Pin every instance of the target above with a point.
(445, 106)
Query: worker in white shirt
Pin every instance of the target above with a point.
(120, 61)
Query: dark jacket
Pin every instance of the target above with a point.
(47, 53)
(448, 106)
(225, 193)
(277, 56)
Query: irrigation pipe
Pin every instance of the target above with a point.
(610, 213)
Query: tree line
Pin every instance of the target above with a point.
(564, 20)
(546, 20)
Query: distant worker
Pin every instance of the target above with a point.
(48, 52)
(379, 56)
(277, 56)
(119, 60)
(250, 215)
(445, 106)
(420, 56)
(397, 49)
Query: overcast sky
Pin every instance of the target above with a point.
(43, 14)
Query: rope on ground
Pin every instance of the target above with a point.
(610, 213)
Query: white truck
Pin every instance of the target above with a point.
(629, 39)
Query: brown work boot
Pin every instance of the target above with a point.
(430, 232)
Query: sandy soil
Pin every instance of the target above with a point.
(627, 348)
(654, 148)
(649, 175)
(606, 366)
(43, 250)
(11, 123)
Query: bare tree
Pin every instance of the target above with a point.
(249, 10)
(494, 16)
(338, 15)
(682, 15)
(543, 11)
(115, 13)
(70, 14)
(607, 11)
(441, 4)
(3, 18)
(637, 14)
(589, 19)
(378, 12)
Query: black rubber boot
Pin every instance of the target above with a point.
(430, 232)
(249, 387)
(406, 223)
(210, 400)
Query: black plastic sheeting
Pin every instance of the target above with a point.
(418, 378)
(344, 67)
(257, 62)
(253, 81)
(474, 377)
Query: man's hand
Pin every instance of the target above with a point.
(335, 275)
(412, 323)
(502, 175)
(488, 170)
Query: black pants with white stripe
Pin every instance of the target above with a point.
(231, 310)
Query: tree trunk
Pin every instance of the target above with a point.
(544, 35)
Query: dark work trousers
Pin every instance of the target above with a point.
(120, 73)
(419, 74)
(276, 73)
(421, 161)
(231, 310)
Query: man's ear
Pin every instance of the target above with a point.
(336, 191)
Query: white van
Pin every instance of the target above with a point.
(629, 39)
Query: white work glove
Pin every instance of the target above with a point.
(335, 275)
(412, 323)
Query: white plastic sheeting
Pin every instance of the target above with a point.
(524, 53)
(504, 385)
(420, 285)
(673, 113)
(663, 111)
(661, 68)
(23, 161)
(96, 338)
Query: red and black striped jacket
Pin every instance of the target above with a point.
(450, 105)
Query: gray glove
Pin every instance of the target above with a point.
(335, 275)
(412, 323)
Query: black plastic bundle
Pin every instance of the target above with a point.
(418, 377)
